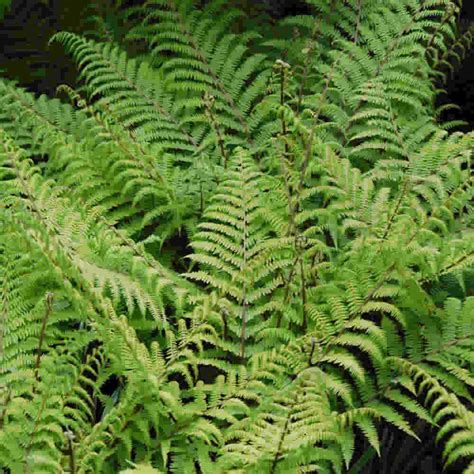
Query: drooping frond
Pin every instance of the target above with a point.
(131, 92)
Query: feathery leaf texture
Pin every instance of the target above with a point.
(246, 250)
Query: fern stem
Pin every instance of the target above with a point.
(442, 348)
(303, 296)
(287, 289)
(280, 442)
(224, 315)
(244, 307)
(72, 455)
(284, 157)
(244, 326)
(208, 104)
(33, 432)
(242, 268)
(307, 62)
(306, 160)
(454, 264)
(311, 352)
(48, 302)
(312, 135)
(406, 182)
(5, 306)
(396, 208)
(360, 4)
(201, 198)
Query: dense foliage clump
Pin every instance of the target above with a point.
(247, 248)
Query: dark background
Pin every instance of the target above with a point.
(460, 86)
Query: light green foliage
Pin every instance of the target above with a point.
(242, 252)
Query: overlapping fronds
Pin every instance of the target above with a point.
(240, 251)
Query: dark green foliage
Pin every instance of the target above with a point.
(246, 250)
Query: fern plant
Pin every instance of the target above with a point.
(249, 249)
